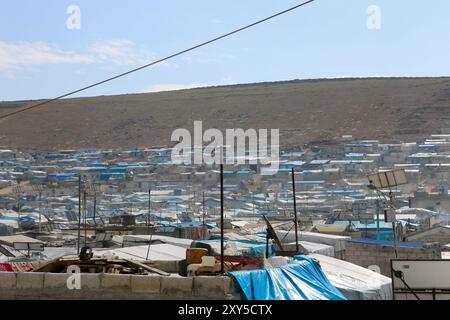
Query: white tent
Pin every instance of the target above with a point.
(355, 282)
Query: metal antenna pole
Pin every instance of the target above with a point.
(204, 212)
(40, 211)
(79, 214)
(149, 202)
(389, 179)
(95, 207)
(18, 209)
(295, 212)
(378, 218)
(149, 232)
(221, 221)
(85, 217)
(394, 224)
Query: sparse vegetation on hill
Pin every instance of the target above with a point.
(383, 108)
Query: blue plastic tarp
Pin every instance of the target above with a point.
(302, 280)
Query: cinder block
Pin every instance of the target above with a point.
(55, 280)
(8, 280)
(371, 255)
(177, 286)
(168, 266)
(213, 287)
(150, 284)
(368, 254)
(116, 281)
(30, 280)
(90, 281)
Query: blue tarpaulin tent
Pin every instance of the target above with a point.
(302, 280)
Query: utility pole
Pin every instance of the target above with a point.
(295, 212)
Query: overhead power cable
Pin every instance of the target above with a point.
(7, 115)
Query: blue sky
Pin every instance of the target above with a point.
(41, 58)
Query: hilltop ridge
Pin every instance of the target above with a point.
(303, 110)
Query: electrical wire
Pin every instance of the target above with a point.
(7, 115)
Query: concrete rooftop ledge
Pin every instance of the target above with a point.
(37, 286)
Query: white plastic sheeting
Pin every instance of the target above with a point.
(318, 248)
(338, 242)
(310, 247)
(157, 252)
(355, 282)
(134, 239)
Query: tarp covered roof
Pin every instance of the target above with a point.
(302, 280)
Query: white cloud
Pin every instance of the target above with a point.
(119, 52)
(14, 55)
(18, 55)
(174, 86)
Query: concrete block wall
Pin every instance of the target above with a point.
(366, 255)
(41, 286)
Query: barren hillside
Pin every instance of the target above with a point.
(303, 111)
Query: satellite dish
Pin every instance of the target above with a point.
(272, 233)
